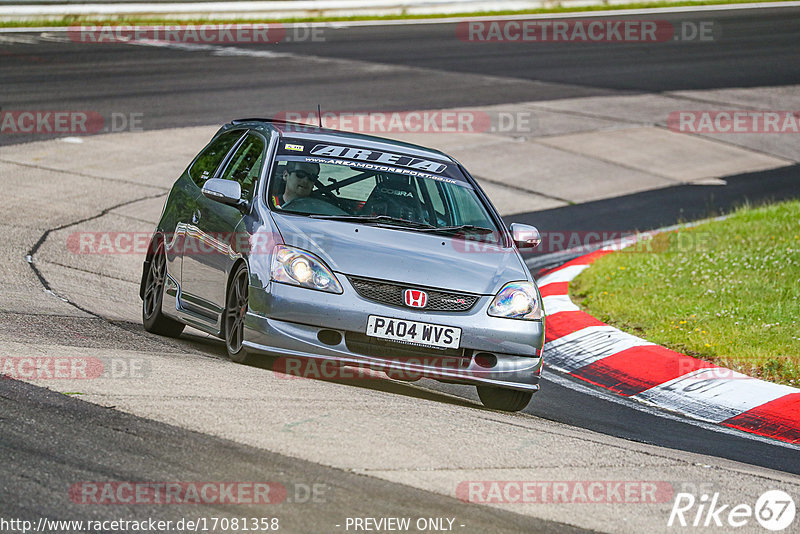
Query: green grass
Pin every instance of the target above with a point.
(726, 291)
(91, 20)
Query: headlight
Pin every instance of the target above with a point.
(517, 300)
(300, 268)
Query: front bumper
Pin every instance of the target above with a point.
(288, 320)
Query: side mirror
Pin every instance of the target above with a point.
(225, 191)
(525, 236)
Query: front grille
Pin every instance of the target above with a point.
(393, 350)
(392, 293)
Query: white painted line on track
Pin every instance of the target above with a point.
(214, 49)
(569, 15)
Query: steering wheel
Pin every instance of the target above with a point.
(312, 205)
(393, 206)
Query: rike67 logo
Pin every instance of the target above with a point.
(774, 510)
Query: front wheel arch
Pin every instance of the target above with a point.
(241, 354)
(234, 269)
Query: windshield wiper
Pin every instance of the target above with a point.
(422, 227)
(465, 228)
(376, 219)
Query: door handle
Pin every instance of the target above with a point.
(195, 217)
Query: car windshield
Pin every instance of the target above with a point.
(408, 193)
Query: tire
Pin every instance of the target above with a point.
(236, 305)
(153, 319)
(507, 400)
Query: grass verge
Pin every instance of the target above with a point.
(725, 291)
(72, 20)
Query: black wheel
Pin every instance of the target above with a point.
(153, 319)
(507, 400)
(235, 311)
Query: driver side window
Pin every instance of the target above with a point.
(278, 185)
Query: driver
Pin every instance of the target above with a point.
(299, 177)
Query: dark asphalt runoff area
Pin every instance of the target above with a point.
(54, 446)
(49, 440)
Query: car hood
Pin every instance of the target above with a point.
(432, 260)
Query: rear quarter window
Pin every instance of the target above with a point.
(209, 160)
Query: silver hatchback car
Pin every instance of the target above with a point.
(312, 244)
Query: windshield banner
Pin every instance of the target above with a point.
(368, 160)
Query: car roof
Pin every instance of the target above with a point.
(296, 130)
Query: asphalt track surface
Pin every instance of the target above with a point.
(177, 88)
(174, 89)
(659, 208)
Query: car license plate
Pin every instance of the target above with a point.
(434, 335)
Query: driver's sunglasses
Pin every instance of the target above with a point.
(305, 175)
